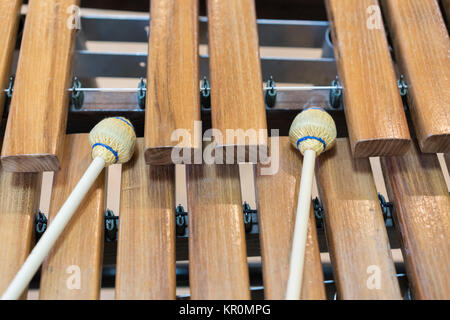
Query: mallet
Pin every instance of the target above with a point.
(313, 131)
(112, 141)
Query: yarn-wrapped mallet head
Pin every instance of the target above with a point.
(113, 140)
(313, 129)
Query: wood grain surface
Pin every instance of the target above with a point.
(19, 203)
(79, 250)
(10, 17)
(373, 107)
(37, 119)
(236, 82)
(173, 99)
(355, 229)
(146, 245)
(217, 253)
(277, 204)
(416, 185)
(422, 48)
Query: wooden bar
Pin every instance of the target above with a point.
(416, 185)
(36, 126)
(173, 101)
(19, 202)
(146, 245)
(73, 269)
(236, 81)
(373, 107)
(277, 204)
(356, 234)
(422, 47)
(217, 253)
(10, 17)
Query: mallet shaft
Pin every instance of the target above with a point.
(294, 284)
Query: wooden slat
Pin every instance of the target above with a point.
(373, 107)
(416, 185)
(277, 204)
(146, 245)
(173, 101)
(19, 201)
(9, 16)
(79, 250)
(422, 47)
(236, 81)
(217, 252)
(355, 229)
(37, 119)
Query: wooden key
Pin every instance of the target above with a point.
(355, 229)
(217, 251)
(73, 268)
(236, 82)
(173, 98)
(35, 130)
(146, 244)
(373, 107)
(277, 198)
(19, 203)
(10, 17)
(416, 185)
(422, 48)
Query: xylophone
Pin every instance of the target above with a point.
(208, 201)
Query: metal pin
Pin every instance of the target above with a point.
(131, 90)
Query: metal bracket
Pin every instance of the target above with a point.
(270, 94)
(402, 86)
(142, 93)
(205, 93)
(248, 216)
(181, 217)
(335, 97)
(9, 91)
(318, 212)
(386, 209)
(77, 95)
(40, 222)
(111, 226)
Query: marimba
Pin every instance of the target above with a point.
(189, 228)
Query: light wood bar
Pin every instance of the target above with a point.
(373, 107)
(422, 47)
(416, 185)
(146, 244)
(277, 204)
(217, 251)
(19, 203)
(10, 17)
(73, 269)
(236, 82)
(173, 99)
(355, 229)
(35, 130)
(447, 160)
